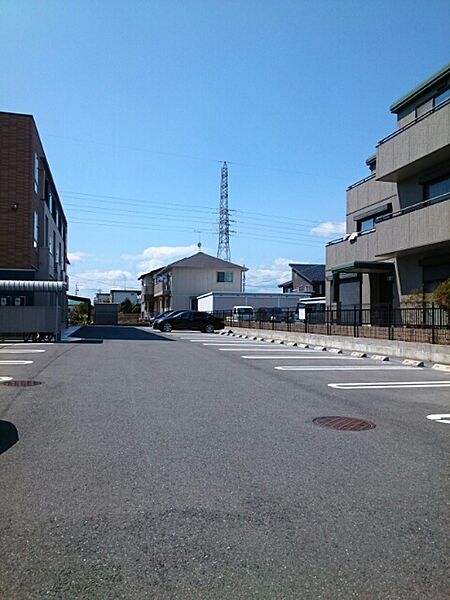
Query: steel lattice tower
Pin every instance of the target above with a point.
(223, 249)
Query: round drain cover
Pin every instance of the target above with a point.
(344, 423)
(21, 383)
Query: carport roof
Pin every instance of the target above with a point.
(33, 285)
(358, 266)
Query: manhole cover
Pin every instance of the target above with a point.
(21, 383)
(344, 423)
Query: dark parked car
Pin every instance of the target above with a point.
(156, 318)
(189, 319)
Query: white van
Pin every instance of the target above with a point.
(312, 305)
(242, 313)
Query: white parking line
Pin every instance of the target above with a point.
(339, 368)
(16, 362)
(26, 344)
(237, 345)
(5, 379)
(283, 356)
(20, 351)
(389, 384)
(439, 418)
(269, 349)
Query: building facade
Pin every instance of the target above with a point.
(33, 226)
(177, 286)
(398, 218)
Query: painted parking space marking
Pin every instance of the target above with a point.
(2, 379)
(16, 362)
(20, 351)
(266, 349)
(237, 343)
(26, 344)
(341, 368)
(445, 418)
(389, 385)
(296, 357)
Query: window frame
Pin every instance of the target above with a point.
(224, 277)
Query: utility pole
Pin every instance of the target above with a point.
(223, 249)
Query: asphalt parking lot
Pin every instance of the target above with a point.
(188, 465)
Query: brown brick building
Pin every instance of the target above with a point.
(33, 227)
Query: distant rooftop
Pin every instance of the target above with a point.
(419, 89)
(309, 271)
(203, 261)
(197, 261)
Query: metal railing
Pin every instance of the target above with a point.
(414, 122)
(420, 324)
(414, 207)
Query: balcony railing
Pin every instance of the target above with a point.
(414, 207)
(417, 120)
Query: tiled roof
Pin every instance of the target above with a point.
(285, 283)
(309, 272)
(203, 261)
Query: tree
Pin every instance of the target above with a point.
(125, 306)
(441, 294)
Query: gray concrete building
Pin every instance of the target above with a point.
(398, 218)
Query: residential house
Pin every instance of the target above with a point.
(119, 296)
(33, 226)
(177, 285)
(306, 279)
(398, 218)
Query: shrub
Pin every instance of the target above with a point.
(441, 294)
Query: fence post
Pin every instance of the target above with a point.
(433, 339)
(390, 336)
(273, 319)
(354, 321)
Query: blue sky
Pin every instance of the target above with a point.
(139, 102)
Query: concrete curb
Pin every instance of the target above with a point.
(440, 367)
(413, 363)
(432, 353)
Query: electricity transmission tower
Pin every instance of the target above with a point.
(223, 249)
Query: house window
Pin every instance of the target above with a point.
(437, 187)
(36, 172)
(366, 224)
(442, 97)
(50, 243)
(35, 229)
(225, 277)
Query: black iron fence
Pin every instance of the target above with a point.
(421, 324)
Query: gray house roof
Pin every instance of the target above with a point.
(197, 261)
(203, 261)
(309, 272)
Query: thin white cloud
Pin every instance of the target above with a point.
(158, 256)
(89, 282)
(328, 228)
(266, 278)
(76, 256)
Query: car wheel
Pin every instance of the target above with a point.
(167, 327)
(209, 328)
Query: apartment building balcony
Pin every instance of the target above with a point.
(416, 146)
(424, 225)
(163, 288)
